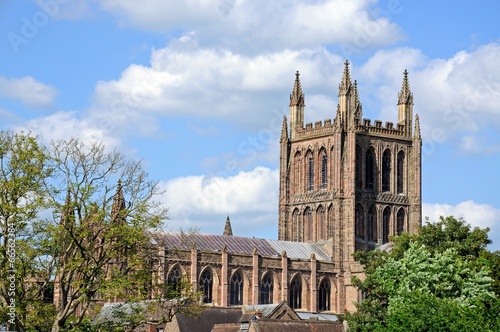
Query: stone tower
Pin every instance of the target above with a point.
(349, 183)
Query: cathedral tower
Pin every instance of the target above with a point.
(349, 184)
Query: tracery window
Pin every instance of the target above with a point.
(174, 279)
(400, 172)
(324, 171)
(266, 289)
(296, 292)
(294, 231)
(236, 289)
(385, 224)
(386, 170)
(372, 224)
(310, 174)
(206, 285)
(370, 169)
(400, 223)
(324, 295)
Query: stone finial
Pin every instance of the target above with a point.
(118, 204)
(284, 130)
(417, 127)
(357, 103)
(297, 97)
(345, 83)
(228, 231)
(405, 96)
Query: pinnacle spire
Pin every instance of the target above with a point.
(284, 130)
(345, 84)
(118, 203)
(417, 127)
(228, 231)
(357, 103)
(297, 97)
(405, 96)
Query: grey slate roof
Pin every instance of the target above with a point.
(240, 245)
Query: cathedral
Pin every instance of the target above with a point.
(345, 185)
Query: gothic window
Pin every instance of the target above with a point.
(359, 168)
(266, 289)
(296, 293)
(400, 224)
(206, 284)
(320, 216)
(307, 224)
(386, 170)
(385, 224)
(400, 172)
(236, 289)
(372, 224)
(359, 222)
(295, 226)
(370, 169)
(324, 295)
(174, 279)
(310, 174)
(324, 171)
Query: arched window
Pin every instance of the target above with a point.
(359, 222)
(320, 222)
(294, 232)
(359, 168)
(400, 224)
(370, 169)
(174, 281)
(266, 289)
(296, 293)
(400, 172)
(310, 173)
(236, 289)
(324, 171)
(324, 295)
(386, 170)
(386, 218)
(206, 285)
(307, 224)
(372, 224)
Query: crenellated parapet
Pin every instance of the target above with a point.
(389, 129)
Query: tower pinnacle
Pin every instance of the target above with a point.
(297, 97)
(345, 84)
(405, 96)
(228, 231)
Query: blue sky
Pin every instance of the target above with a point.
(198, 88)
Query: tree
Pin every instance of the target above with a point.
(23, 171)
(443, 270)
(102, 204)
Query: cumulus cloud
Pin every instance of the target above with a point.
(454, 96)
(28, 90)
(250, 198)
(261, 24)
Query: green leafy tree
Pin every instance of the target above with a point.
(103, 204)
(24, 168)
(437, 280)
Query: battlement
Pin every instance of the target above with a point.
(320, 128)
(378, 129)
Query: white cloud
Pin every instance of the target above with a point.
(261, 24)
(480, 215)
(246, 197)
(29, 91)
(454, 96)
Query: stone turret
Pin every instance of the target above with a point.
(297, 104)
(405, 105)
